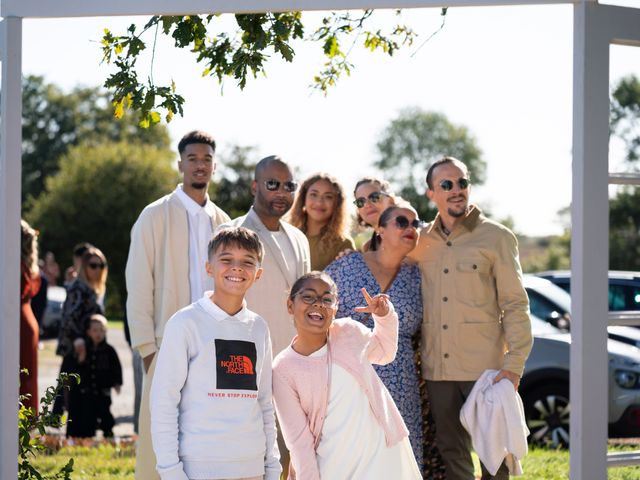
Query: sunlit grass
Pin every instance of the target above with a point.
(110, 462)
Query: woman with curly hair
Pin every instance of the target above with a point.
(29, 333)
(372, 197)
(320, 211)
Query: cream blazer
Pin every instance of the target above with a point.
(268, 296)
(157, 271)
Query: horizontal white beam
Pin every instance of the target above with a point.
(626, 318)
(624, 178)
(99, 8)
(622, 23)
(623, 459)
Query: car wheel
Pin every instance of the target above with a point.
(547, 412)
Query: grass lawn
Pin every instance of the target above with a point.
(110, 462)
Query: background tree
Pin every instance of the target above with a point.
(54, 121)
(412, 142)
(624, 207)
(625, 115)
(96, 196)
(232, 192)
(624, 232)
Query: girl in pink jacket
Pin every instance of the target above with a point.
(337, 418)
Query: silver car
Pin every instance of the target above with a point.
(545, 386)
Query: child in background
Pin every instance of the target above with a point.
(338, 420)
(100, 371)
(212, 414)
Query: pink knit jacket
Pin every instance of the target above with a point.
(300, 387)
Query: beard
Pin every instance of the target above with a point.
(457, 212)
(270, 208)
(199, 185)
(278, 211)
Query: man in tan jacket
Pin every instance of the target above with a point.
(476, 311)
(166, 267)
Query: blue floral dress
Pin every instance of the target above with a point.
(400, 376)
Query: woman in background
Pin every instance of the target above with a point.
(319, 210)
(29, 333)
(372, 197)
(85, 296)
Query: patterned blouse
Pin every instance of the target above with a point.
(80, 304)
(400, 376)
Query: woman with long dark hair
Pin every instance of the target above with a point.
(320, 211)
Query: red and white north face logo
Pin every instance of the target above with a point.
(238, 365)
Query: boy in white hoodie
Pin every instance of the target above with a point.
(212, 415)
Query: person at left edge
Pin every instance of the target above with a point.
(165, 268)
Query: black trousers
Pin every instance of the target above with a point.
(88, 412)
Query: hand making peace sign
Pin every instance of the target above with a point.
(378, 305)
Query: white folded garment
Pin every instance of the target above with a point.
(494, 417)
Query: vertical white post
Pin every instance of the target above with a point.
(10, 182)
(589, 245)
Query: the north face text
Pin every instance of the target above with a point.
(235, 365)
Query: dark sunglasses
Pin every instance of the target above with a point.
(373, 197)
(447, 185)
(95, 266)
(403, 223)
(274, 185)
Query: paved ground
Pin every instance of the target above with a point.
(122, 404)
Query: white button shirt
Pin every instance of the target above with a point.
(200, 233)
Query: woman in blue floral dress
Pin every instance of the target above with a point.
(385, 271)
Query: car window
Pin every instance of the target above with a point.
(541, 307)
(624, 297)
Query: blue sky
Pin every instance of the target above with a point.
(504, 72)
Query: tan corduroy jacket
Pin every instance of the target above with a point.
(157, 271)
(476, 311)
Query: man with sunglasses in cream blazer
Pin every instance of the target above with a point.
(287, 254)
(476, 310)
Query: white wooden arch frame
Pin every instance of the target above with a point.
(596, 27)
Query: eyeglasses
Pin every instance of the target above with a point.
(328, 301)
(95, 266)
(403, 223)
(447, 185)
(373, 197)
(274, 185)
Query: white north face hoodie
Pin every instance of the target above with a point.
(212, 414)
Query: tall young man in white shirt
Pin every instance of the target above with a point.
(166, 266)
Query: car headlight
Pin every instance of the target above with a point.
(626, 378)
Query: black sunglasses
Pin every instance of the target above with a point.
(403, 223)
(95, 266)
(447, 185)
(274, 185)
(373, 197)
